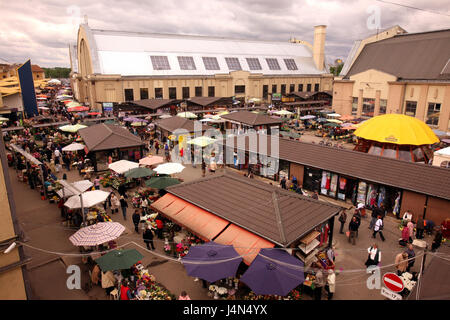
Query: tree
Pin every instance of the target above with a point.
(336, 70)
(57, 72)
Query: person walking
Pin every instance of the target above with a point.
(330, 287)
(124, 206)
(420, 227)
(203, 168)
(283, 183)
(97, 183)
(377, 229)
(159, 227)
(353, 229)
(156, 147)
(144, 205)
(410, 226)
(108, 281)
(374, 257)
(136, 220)
(342, 219)
(115, 203)
(357, 215)
(401, 263)
(319, 282)
(411, 257)
(148, 238)
(375, 214)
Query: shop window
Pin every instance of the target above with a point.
(291, 87)
(404, 153)
(433, 114)
(265, 91)
(375, 149)
(186, 93)
(211, 91)
(158, 93)
(144, 93)
(308, 87)
(283, 89)
(418, 155)
(239, 89)
(383, 105)
(354, 106)
(274, 88)
(300, 87)
(368, 107)
(390, 151)
(316, 87)
(129, 96)
(172, 93)
(411, 108)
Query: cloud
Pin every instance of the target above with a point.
(42, 29)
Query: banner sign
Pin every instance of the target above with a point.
(27, 89)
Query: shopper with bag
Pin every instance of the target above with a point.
(374, 257)
(378, 229)
(342, 219)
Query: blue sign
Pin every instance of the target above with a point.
(107, 106)
(27, 89)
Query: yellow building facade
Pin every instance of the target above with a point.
(102, 71)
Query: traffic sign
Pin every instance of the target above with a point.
(393, 282)
(389, 294)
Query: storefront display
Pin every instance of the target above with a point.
(342, 188)
(361, 197)
(333, 185)
(325, 184)
(371, 195)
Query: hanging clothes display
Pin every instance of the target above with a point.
(397, 205)
(381, 195)
(362, 188)
(333, 185)
(325, 184)
(371, 195)
(341, 189)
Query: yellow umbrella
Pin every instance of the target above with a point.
(397, 129)
(73, 104)
(186, 115)
(223, 113)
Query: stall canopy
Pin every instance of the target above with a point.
(27, 156)
(259, 215)
(244, 242)
(204, 224)
(107, 136)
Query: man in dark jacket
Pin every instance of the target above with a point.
(420, 227)
(148, 238)
(136, 220)
(342, 219)
(353, 228)
(375, 213)
(357, 215)
(124, 206)
(283, 183)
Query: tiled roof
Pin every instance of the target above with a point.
(250, 118)
(106, 137)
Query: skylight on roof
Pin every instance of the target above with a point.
(290, 64)
(160, 62)
(211, 63)
(233, 63)
(253, 63)
(273, 64)
(186, 63)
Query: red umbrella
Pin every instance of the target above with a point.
(94, 113)
(77, 109)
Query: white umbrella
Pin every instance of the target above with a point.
(74, 147)
(283, 113)
(97, 234)
(54, 81)
(169, 168)
(123, 166)
(307, 117)
(43, 108)
(165, 116)
(337, 115)
(82, 185)
(186, 115)
(90, 199)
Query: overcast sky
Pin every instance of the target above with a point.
(42, 29)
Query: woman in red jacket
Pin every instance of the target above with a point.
(125, 292)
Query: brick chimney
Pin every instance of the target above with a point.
(319, 46)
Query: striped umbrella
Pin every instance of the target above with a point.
(97, 234)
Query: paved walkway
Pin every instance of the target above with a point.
(43, 227)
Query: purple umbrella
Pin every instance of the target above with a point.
(132, 119)
(274, 271)
(211, 261)
(446, 140)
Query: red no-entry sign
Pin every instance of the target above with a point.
(393, 282)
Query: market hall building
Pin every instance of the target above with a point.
(407, 74)
(347, 175)
(113, 66)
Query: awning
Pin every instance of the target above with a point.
(244, 242)
(203, 223)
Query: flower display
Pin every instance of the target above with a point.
(213, 288)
